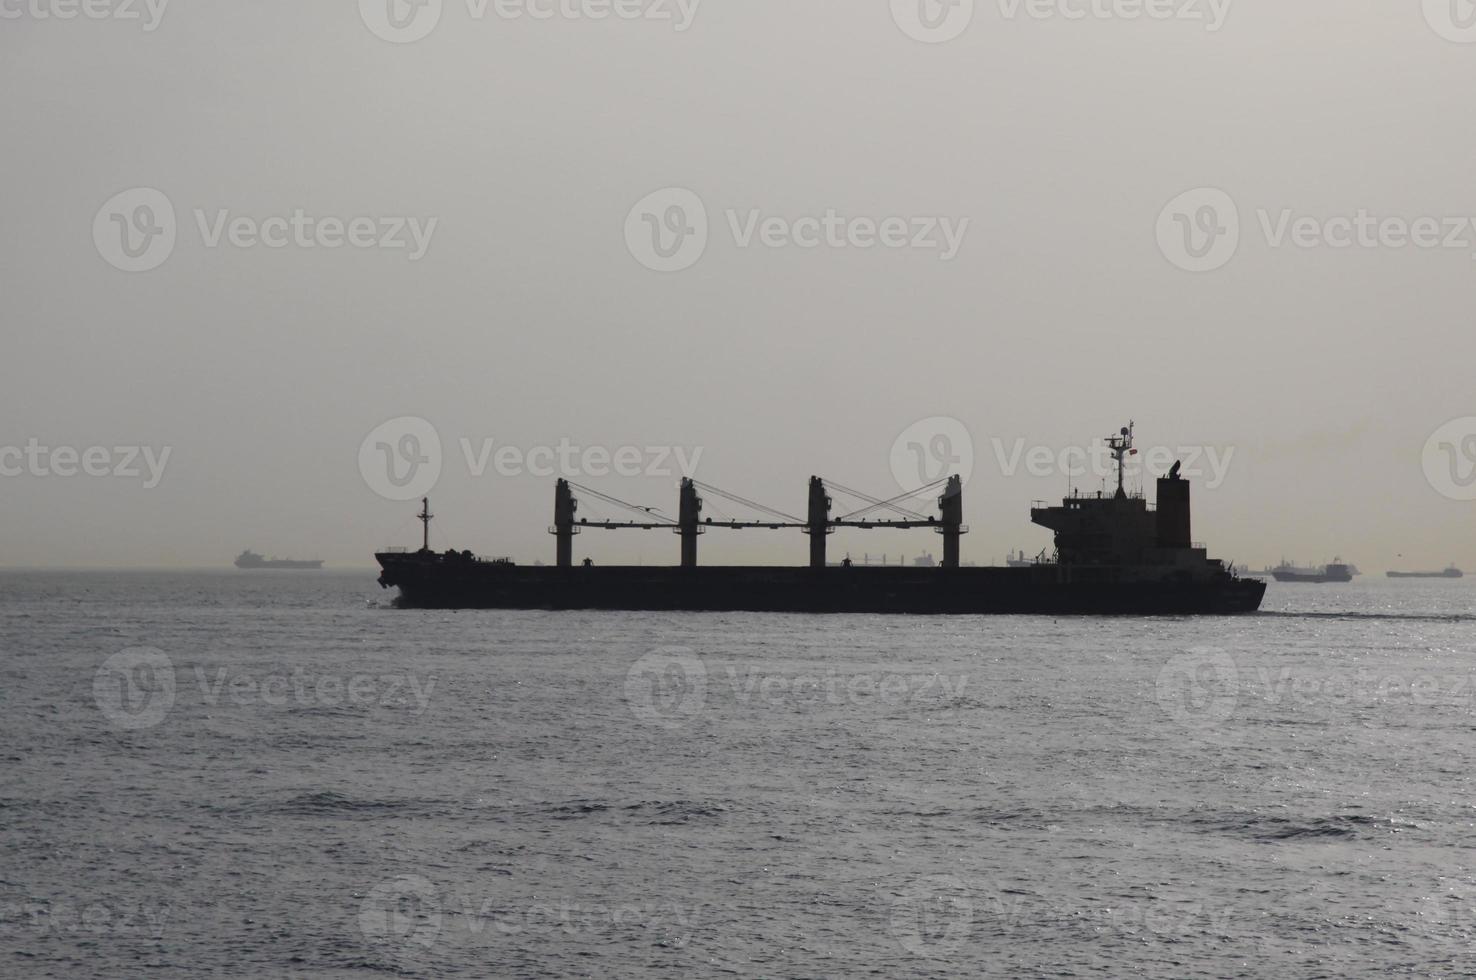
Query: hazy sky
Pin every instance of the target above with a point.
(1051, 146)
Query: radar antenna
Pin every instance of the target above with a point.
(1121, 446)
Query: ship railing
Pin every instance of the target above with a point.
(395, 551)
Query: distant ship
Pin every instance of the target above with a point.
(925, 560)
(250, 559)
(1338, 571)
(1451, 572)
(1113, 556)
(1018, 559)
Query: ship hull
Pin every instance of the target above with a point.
(436, 583)
(1312, 578)
(1449, 574)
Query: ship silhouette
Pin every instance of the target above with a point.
(251, 560)
(1114, 555)
(1336, 571)
(1450, 572)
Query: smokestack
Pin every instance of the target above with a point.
(1174, 522)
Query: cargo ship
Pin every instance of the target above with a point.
(1114, 555)
(1018, 559)
(1451, 572)
(251, 560)
(1337, 571)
